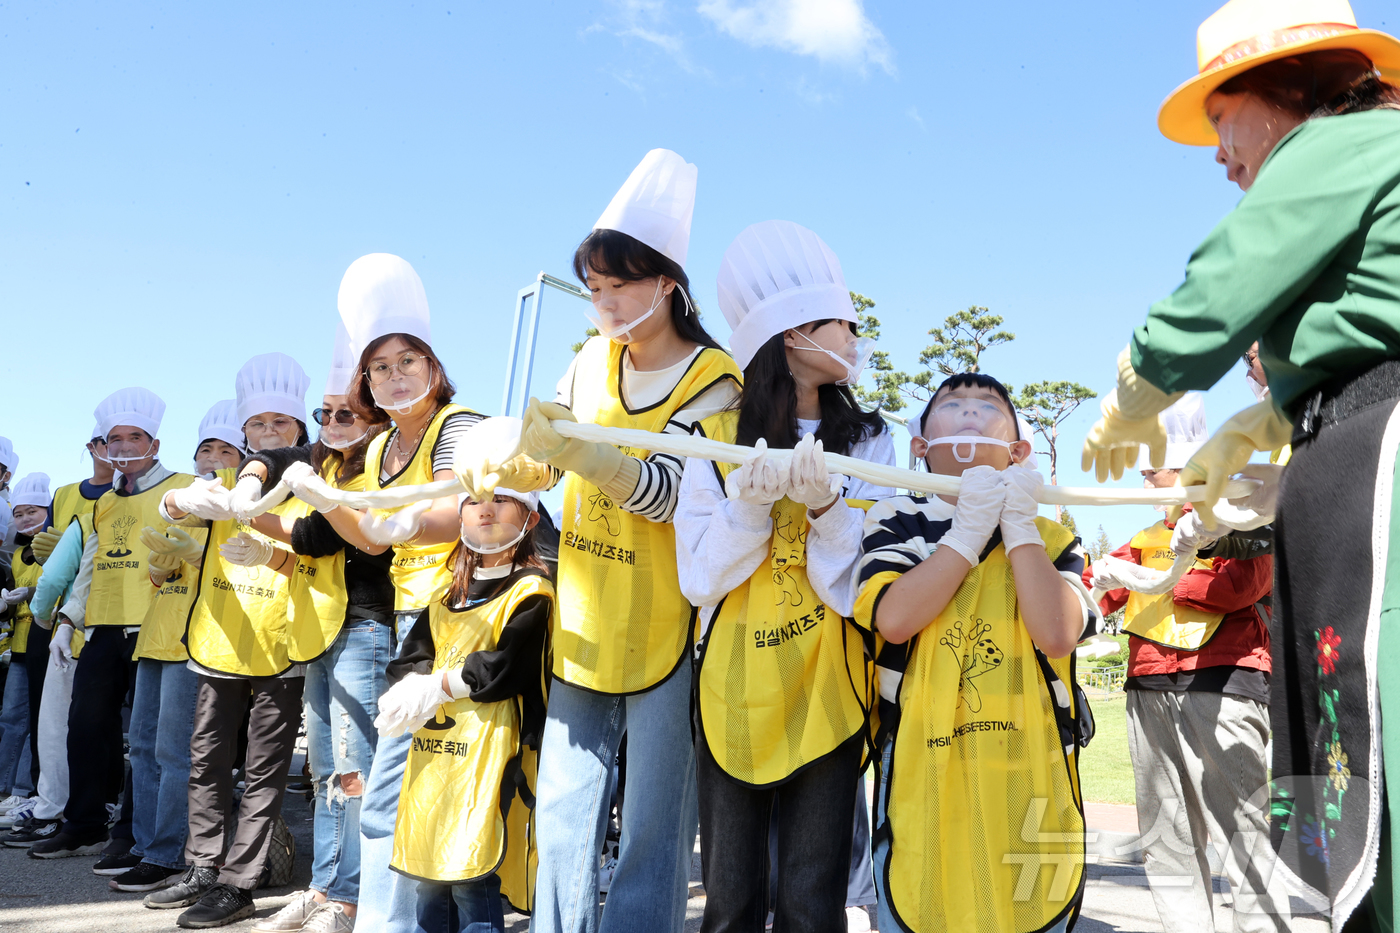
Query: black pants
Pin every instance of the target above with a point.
(272, 730)
(814, 845)
(96, 767)
(36, 663)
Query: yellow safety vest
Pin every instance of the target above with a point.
(239, 621)
(457, 818)
(316, 611)
(420, 574)
(984, 815)
(121, 591)
(68, 504)
(623, 623)
(782, 679)
(162, 636)
(1157, 618)
(25, 575)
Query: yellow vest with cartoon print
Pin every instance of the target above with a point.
(239, 621)
(25, 575)
(982, 804)
(782, 679)
(455, 823)
(316, 611)
(623, 623)
(163, 631)
(420, 574)
(121, 591)
(1157, 618)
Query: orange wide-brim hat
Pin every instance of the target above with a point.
(1246, 33)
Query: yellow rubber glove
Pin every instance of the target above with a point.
(176, 543)
(520, 473)
(1258, 427)
(1130, 418)
(43, 544)
(594, 462)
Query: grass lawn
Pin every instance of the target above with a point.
(1105, 771)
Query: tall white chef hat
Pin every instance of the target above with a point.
(344, 362)
(222, 423)
(655, 204)
(96, 431)
(33, 489)
(776, 275)
(135, 406)
(8, 458)
(271, 382)
(380, 294)
(1185, 421)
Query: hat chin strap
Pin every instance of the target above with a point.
(971, 440)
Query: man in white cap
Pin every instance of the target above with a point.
(1198, 695)
(117, 602)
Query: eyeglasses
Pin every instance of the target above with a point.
(280, 425)
(324, 416)
(408, 365)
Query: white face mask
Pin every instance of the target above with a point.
(32, 529)
(121, 463)
(398, 408)
(970, 441)
(1261, 392)
(865, 347)
(500, 536)
(344, 445)
(621, 301)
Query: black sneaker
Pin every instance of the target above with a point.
(186, 891)
(116, 864)
(146, 877)
(221, 905)
(67, 845)
(31, 831)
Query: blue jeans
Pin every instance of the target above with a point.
(14, 731)
(659, 820)
(162, 718)
(474, 907)
(389, 898)
(342, 699)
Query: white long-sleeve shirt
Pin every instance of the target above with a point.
(721, 543)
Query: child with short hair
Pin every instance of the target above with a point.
(978, 604)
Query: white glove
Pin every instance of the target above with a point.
(15, 597)
(1022, 504)
(409, 704)
(402, 526)
(61, 645)
(204, 498)
(245, 550)
(1112, 573)
(758, 481)
(1190, 534)
(809, 482)
(1263, 500)
(244, 495)
(308, 487)
(978, 512)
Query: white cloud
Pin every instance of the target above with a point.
(835, 31)
(646, 20)
(913, 114)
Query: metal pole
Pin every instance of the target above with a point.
(531, 342)
(520, 297)
(534, 290)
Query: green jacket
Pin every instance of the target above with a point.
(1308, 263)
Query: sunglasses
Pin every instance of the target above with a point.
(324, 416)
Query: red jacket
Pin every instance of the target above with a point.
(1231, 587)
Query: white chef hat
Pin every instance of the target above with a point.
(531, 499)
(33, 489)
(1185, 421)
(776, 275)
(380, 294)
(134, 406)
(8, 459)
(96, 432)
(655, 204)
(222, 423)
(271, 382)
(344, 362)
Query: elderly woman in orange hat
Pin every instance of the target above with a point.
(1304, 111)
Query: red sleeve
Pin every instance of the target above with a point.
(1113, 600)
(1228, 585)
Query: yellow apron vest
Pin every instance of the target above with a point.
(420, 574)
(1156, 618)
(623, 624)
(68, 504)
(25, 575)
(163, 631)
(239, 621)
(453, 825)
(121, 591)
(316, 592)
(983, 809)
(782, 679)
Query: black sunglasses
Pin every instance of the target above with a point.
(322, 416)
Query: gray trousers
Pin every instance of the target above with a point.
(1201, 774)
(272, 732)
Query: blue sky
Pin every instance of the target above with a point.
(182, 187)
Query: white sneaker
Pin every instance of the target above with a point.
(605, 873)
(291, 918)
(24, 811)
(12, 801)
(857, 920)
(328, 918)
